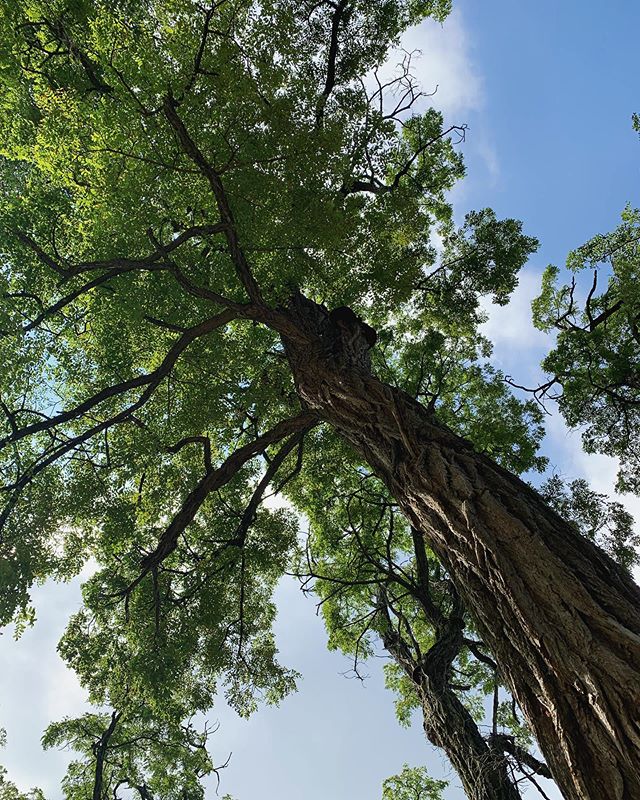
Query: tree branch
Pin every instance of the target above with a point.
(507, 744)
(122, 263)
(330, 79)
(191, 150)
(151, 380)
(258, 493)
(215, 480)
(100, 751)
(431, 610)
(206, 446)
(373, 185)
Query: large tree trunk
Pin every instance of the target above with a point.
(560, 616)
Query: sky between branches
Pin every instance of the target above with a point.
(547, 90)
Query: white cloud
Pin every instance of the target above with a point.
(36, 688)
(489, 155)
(518, 350)
(444, 68)
(600, 471)
(445, 64)
(518, 345)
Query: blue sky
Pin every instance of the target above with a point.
(547, 89)
(560, 84)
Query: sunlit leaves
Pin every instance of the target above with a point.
(112, 248)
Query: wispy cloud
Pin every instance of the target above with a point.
(517, 344)
(518, 351)
(444, 65)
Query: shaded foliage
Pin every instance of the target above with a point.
(596, 360)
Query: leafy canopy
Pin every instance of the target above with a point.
(171, 173)
(412, 784)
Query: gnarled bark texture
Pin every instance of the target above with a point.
(560, 616)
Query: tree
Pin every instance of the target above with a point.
(595, 364)
(125, 752)
(412, 784)
(187, 191)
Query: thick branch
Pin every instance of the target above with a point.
(121, 263)
(330, 79)
(49, 457)
(431, 610)
(206, 446)
(193, 152)
(100, 750)
(215, 480)
(155, 262)
(151, 380)
(604, 316)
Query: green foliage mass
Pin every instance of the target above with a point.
(95, 185)
(596, 360)
(155, 757)
(412, 783)
(153, 154)
(601, 520)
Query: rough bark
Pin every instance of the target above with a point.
(560, 616)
